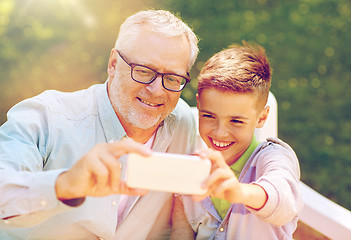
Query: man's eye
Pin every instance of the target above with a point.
(143, 72)
(173, 79)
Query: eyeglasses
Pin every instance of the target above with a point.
(143, 74)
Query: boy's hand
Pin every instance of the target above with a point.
(222, 182)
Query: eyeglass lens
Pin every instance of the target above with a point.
(147, 75)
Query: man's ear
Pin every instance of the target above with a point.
(263, 117)
(111, 67)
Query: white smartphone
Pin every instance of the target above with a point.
(167, 172)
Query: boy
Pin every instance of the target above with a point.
(253, 187)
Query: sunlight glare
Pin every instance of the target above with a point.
(74, 7)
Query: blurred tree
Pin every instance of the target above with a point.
(307, 42)
(61, 44)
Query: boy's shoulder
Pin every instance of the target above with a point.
(275, 154)
(274, 146)
(271, 141)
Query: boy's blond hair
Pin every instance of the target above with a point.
(238, 69)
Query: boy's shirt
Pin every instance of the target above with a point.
(222, 205)
(274, 166)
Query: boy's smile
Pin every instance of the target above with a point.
(221, 144)
(227, 121)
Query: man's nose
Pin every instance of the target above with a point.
(156, 87)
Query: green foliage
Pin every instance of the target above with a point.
(58, 44)
(307, 42)
(65, 45)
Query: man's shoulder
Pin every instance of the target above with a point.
(182, 110)
(70, 103)
(181, 116)
(56, 96)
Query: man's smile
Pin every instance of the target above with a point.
(149, 103)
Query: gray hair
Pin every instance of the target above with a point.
(162, 22)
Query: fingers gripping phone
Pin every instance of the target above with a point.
(167, 172)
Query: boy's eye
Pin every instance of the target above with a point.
(206, 115)
(236, 121)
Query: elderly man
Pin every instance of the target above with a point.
(59, 152)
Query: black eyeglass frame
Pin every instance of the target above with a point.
(132, 65)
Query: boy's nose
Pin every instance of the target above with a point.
(221, 130)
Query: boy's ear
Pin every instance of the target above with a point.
(197, 100)
(111, 67)
(263, 117)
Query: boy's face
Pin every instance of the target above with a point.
(227, 121)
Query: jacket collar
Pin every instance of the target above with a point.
(112, 127)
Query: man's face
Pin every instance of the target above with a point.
(227, 121)
(146, 105)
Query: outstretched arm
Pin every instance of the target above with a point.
(222, 183)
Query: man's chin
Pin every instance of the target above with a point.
(145, 122)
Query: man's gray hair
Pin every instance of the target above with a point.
(162, 22)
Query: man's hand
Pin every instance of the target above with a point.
(98, 172)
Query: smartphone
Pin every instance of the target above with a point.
(167, 172)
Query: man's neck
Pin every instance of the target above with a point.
(138, 134)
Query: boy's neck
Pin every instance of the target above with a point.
(239, 163)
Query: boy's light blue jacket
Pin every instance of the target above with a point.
(274, 166)
(44, 136)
